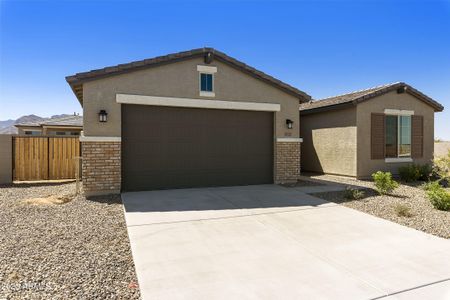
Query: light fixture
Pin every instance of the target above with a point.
(289, 123)
(102, 115)
(401, 90)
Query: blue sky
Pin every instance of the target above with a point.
(321, 47)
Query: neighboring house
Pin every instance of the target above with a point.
(362, 132)
(69, 125)
(191, 119)
(201, 118)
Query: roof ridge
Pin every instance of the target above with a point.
(359, 91)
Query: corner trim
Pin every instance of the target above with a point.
(195, 103)
(398, 159)
(290, 140)
(100, 138)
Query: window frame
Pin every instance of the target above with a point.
(398, 114)
(209, 70)
(200, 82)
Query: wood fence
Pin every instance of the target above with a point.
(45, 158)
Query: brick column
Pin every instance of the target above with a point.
(287, 160)
(101, 167)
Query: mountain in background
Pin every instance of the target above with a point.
(6, 123)
(7, 127)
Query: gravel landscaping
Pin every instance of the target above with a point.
(423, 216)
(63, 250)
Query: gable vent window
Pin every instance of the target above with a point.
(206, 80)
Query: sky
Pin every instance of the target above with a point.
(321, 47)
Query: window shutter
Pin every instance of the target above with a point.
(416, 136)
(377, 136)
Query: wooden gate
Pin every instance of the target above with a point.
(44, 158)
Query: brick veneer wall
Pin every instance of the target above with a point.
(101, 167)
(287, 161)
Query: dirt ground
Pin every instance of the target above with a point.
(441, 148)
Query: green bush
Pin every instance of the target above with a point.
(384, 183)
(409, 173)
(425, 171)
(353, 194)
(414, 172)
(431, 185)
(402, 210)
(439, 197)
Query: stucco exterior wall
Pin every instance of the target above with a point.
(21, 130)
(47, 130)
(329, 142)
(52, 130)
(181, 79)
(391, 100)
(5, 158)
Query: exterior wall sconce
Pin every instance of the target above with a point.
(102, 116)
(401, 90)
(289, 123)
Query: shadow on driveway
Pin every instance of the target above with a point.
(218, 198)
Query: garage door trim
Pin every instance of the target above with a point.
(184, 149)
(196, 103)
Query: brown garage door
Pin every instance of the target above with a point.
(168, 147)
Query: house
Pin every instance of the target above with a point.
(190, 119)
(362, 132)
(201, 118)
(68, 125)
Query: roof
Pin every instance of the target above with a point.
(76, 81)
(72, 121)
(362, 95)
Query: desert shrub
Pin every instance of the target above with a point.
(384, 183)
(439, 197)
(409, 172)
(431, 185)
(353, 194)
(413, 172)
(425, 171)
(441, 167)
(402, 210)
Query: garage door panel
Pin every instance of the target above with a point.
(167, 147)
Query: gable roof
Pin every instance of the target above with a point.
(362, 95)
(73, 121)
(76, 81)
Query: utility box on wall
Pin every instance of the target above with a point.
(5, 158)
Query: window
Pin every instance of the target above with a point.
(32, 132)
(60, 133)
(75, 133)
(398, 136)
(206, 82)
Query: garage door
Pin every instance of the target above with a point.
(171, 147)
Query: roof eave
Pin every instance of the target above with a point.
(76, 81)
(409, 89)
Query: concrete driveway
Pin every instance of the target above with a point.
(272, 242)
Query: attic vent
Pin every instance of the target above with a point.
(401, 90)
(209, 58)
